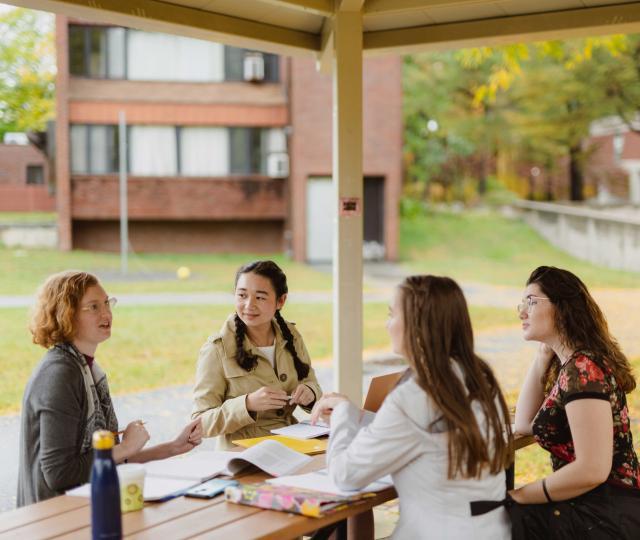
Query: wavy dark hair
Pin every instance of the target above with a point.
(437, 330)
(278, 279)
(581, 324)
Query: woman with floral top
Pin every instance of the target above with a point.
(573, 401)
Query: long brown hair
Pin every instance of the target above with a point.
(437, 333)
(581, 324)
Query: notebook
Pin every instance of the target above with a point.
(310, 446)
(303, 430)
(156, 489)
(168, 478)
(379, 387)
(290, 499)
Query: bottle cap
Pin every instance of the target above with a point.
(103, 440)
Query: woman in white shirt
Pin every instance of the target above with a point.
(440, 433)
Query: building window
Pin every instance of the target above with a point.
(94, 149)
(153, 151)
(35, 175)
(164, 57)
(166, 151)
(247, 153)
(120, 53)
(234, 59)
(204, 151)
(97, 52)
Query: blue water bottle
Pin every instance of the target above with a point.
(106, 516)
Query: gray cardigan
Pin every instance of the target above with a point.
(53, 425)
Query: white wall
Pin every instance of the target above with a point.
(598, 236)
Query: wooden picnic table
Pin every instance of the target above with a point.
(66, 518)
(519, 442)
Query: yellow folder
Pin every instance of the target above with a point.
(306, 446)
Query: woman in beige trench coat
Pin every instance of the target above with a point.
(254, 372)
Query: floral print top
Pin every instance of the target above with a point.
(585, 377)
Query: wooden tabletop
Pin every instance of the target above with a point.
(66, 517)
(520, 441)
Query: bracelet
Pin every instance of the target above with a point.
(544, 489)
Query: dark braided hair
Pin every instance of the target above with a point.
(278, 279)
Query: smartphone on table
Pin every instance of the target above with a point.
(209, 489)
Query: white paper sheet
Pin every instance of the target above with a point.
(321, 481)
(199, 466)
(155, 488)
(303, 431)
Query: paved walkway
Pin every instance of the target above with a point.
(477, 294)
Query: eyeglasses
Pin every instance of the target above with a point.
(96, 307)
(528, 303)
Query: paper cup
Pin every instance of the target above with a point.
(131, 478)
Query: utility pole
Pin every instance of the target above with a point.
(124, 220)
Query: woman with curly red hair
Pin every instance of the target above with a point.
(67, 397)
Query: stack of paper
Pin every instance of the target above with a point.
(321, 481)
(303, 430)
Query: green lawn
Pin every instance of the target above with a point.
(484, 248)
(153, 347)
(488, 248)
(28, 217)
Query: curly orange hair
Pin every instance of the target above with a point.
(53, 317)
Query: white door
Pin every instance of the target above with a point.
(320, 219)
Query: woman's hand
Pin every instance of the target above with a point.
(544, 356)
(188, 439)
(266, 399)
(324, 407)
(302, 395)
(516, 495)
(135, 436)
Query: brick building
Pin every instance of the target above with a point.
(24, 171)
(228, 150)
(614, 161)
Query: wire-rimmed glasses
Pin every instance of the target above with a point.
(96, 307)
(528, 303)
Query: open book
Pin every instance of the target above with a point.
(167, 478)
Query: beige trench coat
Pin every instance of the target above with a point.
(222, 385)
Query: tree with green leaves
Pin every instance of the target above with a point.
(533, 101)
(559, 90)
(27, 70)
